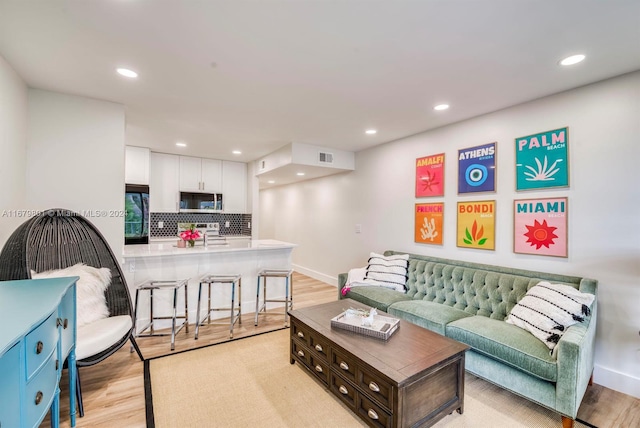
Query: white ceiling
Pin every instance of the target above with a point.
(256, 75)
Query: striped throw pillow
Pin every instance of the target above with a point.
(387, 271)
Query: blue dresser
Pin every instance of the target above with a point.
(38, 334)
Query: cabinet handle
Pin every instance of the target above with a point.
(374, 387)
(58, 322)
(65, 323)
(39, 347)
(372, 414)
(300, 353)
(318, 368)
(301, 334)
(344, 366)
(343, 390)
(318, 348)
(38, 397)
(57, 365)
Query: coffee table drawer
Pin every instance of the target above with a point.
(376, 387)
(372, 413)
(299, 352)
(343, 390)
(319, 368)
(299, 332)
(344, 363)
(320, 346)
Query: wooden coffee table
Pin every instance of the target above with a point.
(414, 378)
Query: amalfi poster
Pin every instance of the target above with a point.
(540, 226)
(477, 225)
(430, 176)
(428, 225)
(542, 160)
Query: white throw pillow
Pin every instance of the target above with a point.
(387, 271)
(91, 303)
(547, 310)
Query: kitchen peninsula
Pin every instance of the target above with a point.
(164, 261)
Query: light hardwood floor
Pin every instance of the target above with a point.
(113, 390)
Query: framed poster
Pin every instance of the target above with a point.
(428, 226)
(542, 160)
(540, 226)
(477, 169)
(430, 176)
(477, 225)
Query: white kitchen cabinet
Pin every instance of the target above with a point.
(164, 179)
(234, 186)
(200, 175)
(136, 165)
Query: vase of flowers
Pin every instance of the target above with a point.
(190, 235)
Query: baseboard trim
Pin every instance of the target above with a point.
(617, 381)
(316, 275)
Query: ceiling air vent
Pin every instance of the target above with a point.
(325, 157)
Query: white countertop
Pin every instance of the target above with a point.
(156, 249)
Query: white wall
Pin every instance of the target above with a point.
(604, 207)
(75, 159)
(13, 143)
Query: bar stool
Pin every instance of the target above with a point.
(174, 286)
(288, 299)
(221, 279)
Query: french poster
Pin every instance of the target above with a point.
(476, 225)
(477, 169)
(542, 160)
(428, 226)
(540, 226)
(430, 176)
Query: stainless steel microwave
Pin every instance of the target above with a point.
(196, 202)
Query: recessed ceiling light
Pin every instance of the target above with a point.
(236, 152)
(271, 181)
(573, 59)
(300, 173)
(441, 107)
(127, 73)
(180, 144)
(370, 131)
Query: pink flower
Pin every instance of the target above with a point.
(345, 290)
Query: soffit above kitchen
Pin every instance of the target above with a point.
(255, 75)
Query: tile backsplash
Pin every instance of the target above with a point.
(238, 223)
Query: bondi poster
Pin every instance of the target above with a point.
(476, 225)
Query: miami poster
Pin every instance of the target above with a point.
(477, 225)
(428, 226)
(477, 169)
(540, 226)
(542, 160)
(430, 176)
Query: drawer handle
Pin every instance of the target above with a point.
(39, 347)
(38, 397)
(318, 348)
(344, 366)
(57, 365)
(374, 387)
(301, 354)
(343, 390)
(318, 368)
(301, 334)
(65, 323)
(58, 322)
(372, 414)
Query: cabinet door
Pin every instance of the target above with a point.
(234, 186)
(136, 165)
(12, 372)
(164, 180)
(190, 174)
(212, 175)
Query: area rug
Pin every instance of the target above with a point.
(249, 382)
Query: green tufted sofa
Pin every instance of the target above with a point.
(469, 302)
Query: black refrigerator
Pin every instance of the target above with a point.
(136, 221)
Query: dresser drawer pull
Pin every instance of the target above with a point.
(318, 348)
(374, 387)
(343, 390)
(38, 397)
(39, 347)
(344, 366)
(301, 335)
(65, 323)
(57, 365)
(372, 414)
(318, 368)
(300, 353)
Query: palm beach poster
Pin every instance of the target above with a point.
(477, 169)
(477, 225)
(542, 160)
(428, 226)
(540, 226)
(430, 176)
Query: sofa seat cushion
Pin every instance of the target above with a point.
(430, 315)
(100, 335)
(376, 297)
(507, 343)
